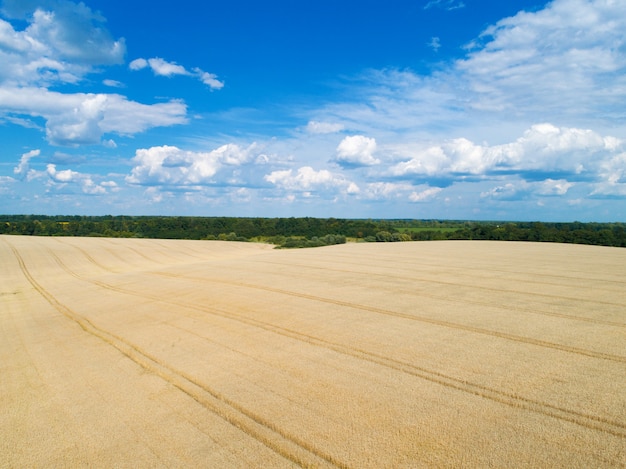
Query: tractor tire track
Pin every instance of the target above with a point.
(411, 317)
(593, 422)
(87, 256)
(481, 287)
(476, 302)
(491, 269)
(255, 426)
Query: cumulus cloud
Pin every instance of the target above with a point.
(171, 166)
(138, 64)
(307, 179)
(166, 69)
(66, 175)
(62, 42)
(84, 181)
(357, 150)
(82, 118)
(424, 195)
(612, 177)
(554, 187)
(508, 191)
(543, 149)
(386, 190)
(22, 169)
(161, 67)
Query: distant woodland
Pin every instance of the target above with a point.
(311, 232)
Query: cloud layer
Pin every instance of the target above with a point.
(527, 118)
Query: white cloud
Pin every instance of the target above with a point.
(91, 188)
(612, 177)
(554, 187)
(563, 64)
(232, 154)
(434, 43)
(357, 150)
(544, 148)
(22, 169)
(171, 166)
(386, 191)
(66, 175)
(506, 191)
(62, 42)
(315, 127)
(424, 195)
(571, 52)
(161, 67)
(113, 83)
(82, 118)
(209, 79)
(138, 64)
(308, 179)
(353, 189)
(22, 122)
(4, 184)
(84, 181)
(166, 69)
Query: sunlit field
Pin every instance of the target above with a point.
(162, 353)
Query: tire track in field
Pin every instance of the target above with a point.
(170, 324)
(141, 254)
(87, 256)
(152, 446)
(491, 269)
(592, 422)
(589, 421)
(477, 302)
(491, 289)
(149, 444)
(255, 426)
(411, 317)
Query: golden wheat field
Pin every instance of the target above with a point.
(156, 353)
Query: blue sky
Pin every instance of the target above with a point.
(449, 109)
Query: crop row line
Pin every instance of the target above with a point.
(288, 446)
(589, 421)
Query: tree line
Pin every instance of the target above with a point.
(310, 232)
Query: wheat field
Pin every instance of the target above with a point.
(163, 353)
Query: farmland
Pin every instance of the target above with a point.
(169, 353)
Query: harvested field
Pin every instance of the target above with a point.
(156, 353)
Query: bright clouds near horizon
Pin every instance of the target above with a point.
(357, 150)
(543, 148)
(171, 166)
(525, 121)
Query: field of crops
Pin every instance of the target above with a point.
(168, 353)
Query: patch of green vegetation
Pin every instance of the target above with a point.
(420, 229)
